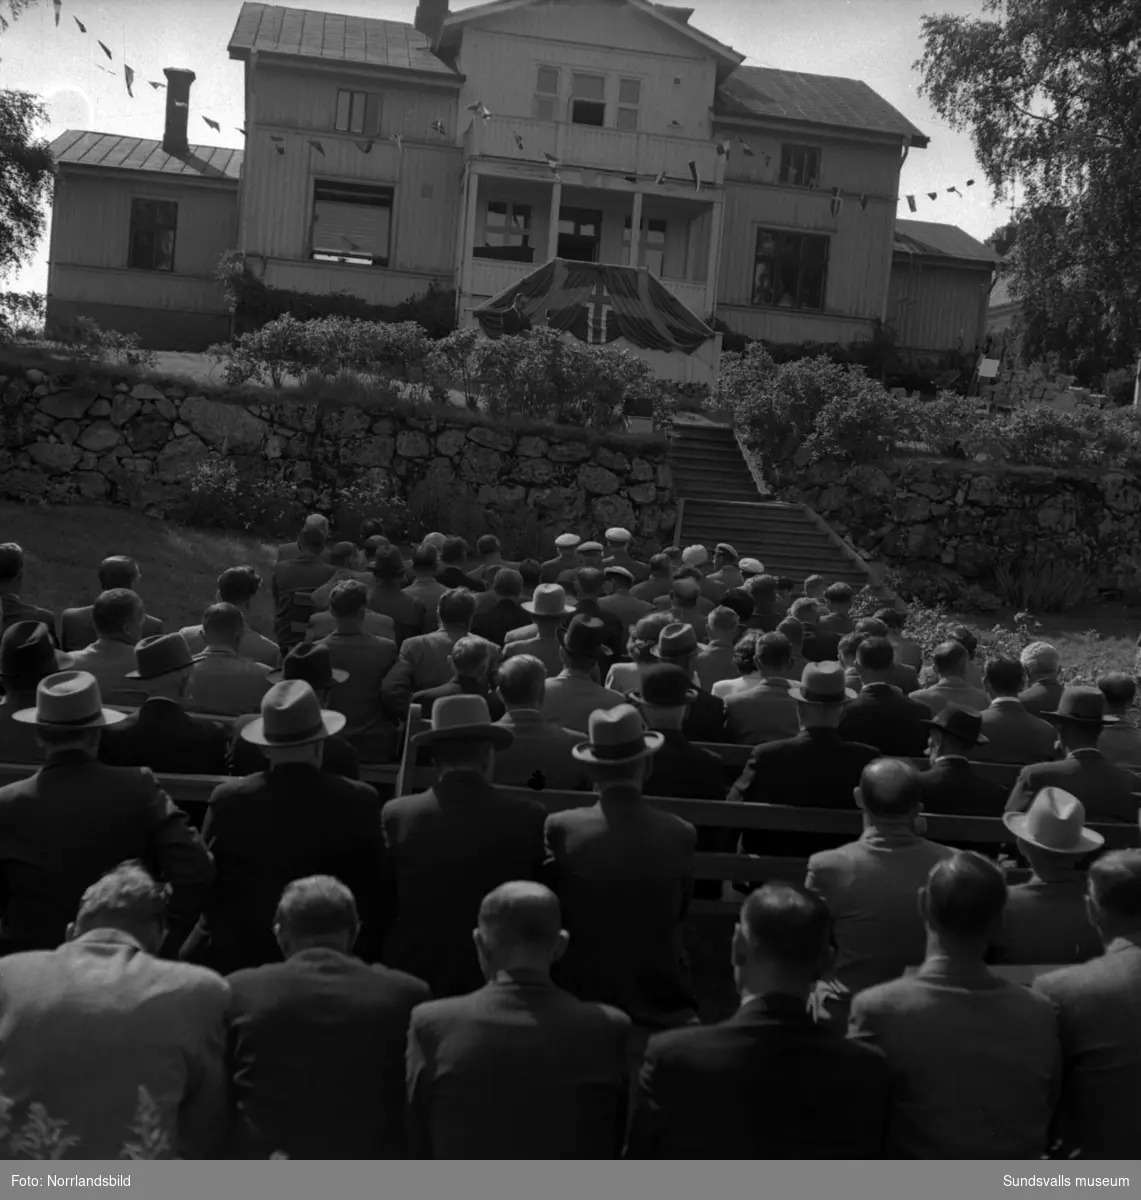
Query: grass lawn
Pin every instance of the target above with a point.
(180, 566)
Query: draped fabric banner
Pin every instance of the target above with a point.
(598, 303)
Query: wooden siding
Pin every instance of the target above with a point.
(294, 98)
(376, 285)
(91, 218)
(500, 60)
(936, 307)
(859, 252)
(788, 327)
(425, 179)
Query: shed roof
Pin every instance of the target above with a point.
(941, 241)
(82, 147)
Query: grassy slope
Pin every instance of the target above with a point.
(180, 566)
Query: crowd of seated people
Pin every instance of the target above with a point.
(465, 971)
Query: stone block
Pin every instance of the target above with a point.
(54, 457)
(146, 391)
(492, 439)
(411, 444)
(223, 425)
(531, 447)
(99, 436)
(67, 406)
(123, 408)
(597, 480)
(568, 452)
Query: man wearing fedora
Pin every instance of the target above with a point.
(223, 682)
(386, 595)
(77, 625)
(1108, 792)
(92, 816)
(567, 545)
(452, 844)
(1046, 919)
(618, 554)
(1101, 1033)
(312, 664)
(549, 612)
(952, 785)
(540, 756)
(620, 603)
(976, 1061)
(161, 735)
(27, 655)
(590, 588)
(817, 768)
(284, 823)
(426, 661)
(361, 660)
(519, 1069)
(705, 720)
(881, 715)
(623, 872)
(573, 694)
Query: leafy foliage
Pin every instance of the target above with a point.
(367, 500)
(229, 493)
(1048, 91)
(1045, 582)
(88, 342)
(19, 312)
(150, 1138)
(27, 170)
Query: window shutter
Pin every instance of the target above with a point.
(356, 229)
(372, 115)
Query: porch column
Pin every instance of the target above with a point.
(470, 211)
(636, 229)
(553, 224)
(713, 265)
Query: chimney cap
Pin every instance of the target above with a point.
(173, 73)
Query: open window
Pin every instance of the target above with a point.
(800, 165)
(588, 99)
(154, 224)
(580, 234)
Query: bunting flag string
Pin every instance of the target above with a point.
(106, 51)
(213, 124)
(317, 146)
(836, 203)
(82, 27)
(696, 174)
(438, 127)
(129, 77)
(155, 85)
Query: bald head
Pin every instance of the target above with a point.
(520, 926)
(890, 789)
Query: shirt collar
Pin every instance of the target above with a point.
(895, 836)
(107, 937)
(953, 758)
(1086, 752)
(1011, 702)
(222, 651)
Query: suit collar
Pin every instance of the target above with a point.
(1008, 704)
(774, 1005)
(465, 783)
(522, 718)
(522, 978)
(895, 837)
(1087, 754)
(937, 968)
(1121, 945)
(69, 758)
(954, 761)
(106, 937)
(883, 690)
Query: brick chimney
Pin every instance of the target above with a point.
(178, 83)
(430, 16)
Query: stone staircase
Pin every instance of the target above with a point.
(720, 503)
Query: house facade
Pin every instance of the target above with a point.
(474, 146)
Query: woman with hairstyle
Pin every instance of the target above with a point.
(627, 677)
(748, 673)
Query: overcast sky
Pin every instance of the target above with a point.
(873, 40)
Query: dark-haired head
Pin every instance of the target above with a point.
(1119, 690)
(773, 654)
(783, 941)
(740, 602)
(118, 571)
(453, 551)
(963, 899)
(951, 660)
(1004, 676)
(1114, 894)
(875, 657)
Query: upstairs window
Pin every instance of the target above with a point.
(352, 223)
(651, 245)
(800, 165)
(546, 101)
(588, 100)
(357, 112)
(629, 102)
(153, 226)
(790, 269)
(507, 224)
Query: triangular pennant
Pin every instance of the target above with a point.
(932, 195)
(241, 129)
(278, 142)
(518, 139)
(746, 148)
(695, 174)
(956, 191)
(475, 106)
(317, 146)
(970, 183)
(155, 84)
(106, 51)
(836, 203)
(364, 147)
(911, 203)
(723, 148)
(129, 76)
(660, 178)
(82, 27)
(399, 140)
(630, 178)
(106, 70)
(864, 201)
(485, 113)
(438, 127)
(676, 125)
(279, 147)
(213, 124)
(58, 6)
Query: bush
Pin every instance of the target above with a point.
(21, 314)
(227, 493)
(88, 342)
(368, 500)
(947, 424)
(1043, 581)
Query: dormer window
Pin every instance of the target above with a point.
(588, 100)
(800, 165)
(546, 101)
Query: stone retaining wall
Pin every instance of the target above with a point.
(67, 438)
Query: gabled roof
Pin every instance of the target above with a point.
(333, 38)
(676, 18)
(819, 99)
(79, 147)
(941, 241)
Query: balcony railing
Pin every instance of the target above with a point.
(524, 140)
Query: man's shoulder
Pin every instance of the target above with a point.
(1101, 976)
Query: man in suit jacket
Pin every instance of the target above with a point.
(77, 625)
(1099, 1005)
(1108, 792)
(658, 583)
(101, 1029)
(1120, 743)
(299, 575)
(386, 596)
(540, 755)
(238, 586)
(574, 693)
(765, 711)
(590, 588)
(293, 550)
(520, 1068)
(506, 613)
(907, 652)
(317, 1042)
(952, 785)
(837, 620)
(291, 820)
(870, 885)
(817, 769)
(12, 607)
(715, 663)
(705, 720)
(27, 655)
(473, 663)
(881, 715)
(224, 682)
(620, 603)
(1046, 919)
(1042, 663)
(901, 676)
(61, 829)
(1013, 735)
(118, 616)
(550, 613)
(618, 554)
(951, 661)
(565, 560)
(623, 871)
(450, 572)
(976, 1062)
(161, 735)
(426, 661)
(454, 843)
(769, 1082)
